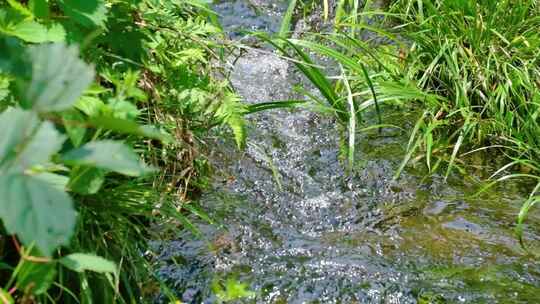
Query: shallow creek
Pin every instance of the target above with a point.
(293, 227)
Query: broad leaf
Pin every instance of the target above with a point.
(36, 211)
(86, 180)
(55, 180)
(108, 155)
(39, 148)
(36, 278)
(90, 105)
(16, 126)
(81, 262)
(89, 13)
(59, 77)
(32, 31)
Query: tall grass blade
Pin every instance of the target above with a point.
(352, 121)
(287, 19)
(373, 93)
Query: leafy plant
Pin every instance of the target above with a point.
(71, 163)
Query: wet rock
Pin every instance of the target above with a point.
(435, 208)
(462, 224)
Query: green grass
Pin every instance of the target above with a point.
(473, 67)
(481, 58)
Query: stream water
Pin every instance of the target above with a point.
(293, 227)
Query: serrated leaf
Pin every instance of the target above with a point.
(231, 112)
(5, 297)
(39, 148)
(32, 31)
(109, 155)
(17, 125)
(90, 105)
(74, 122)
(86, 180)
(237, 125)
(80, 262)
(36, 278)
(59, 77)
(89, 13)
(36, 211)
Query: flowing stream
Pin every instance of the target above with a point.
(293, 227)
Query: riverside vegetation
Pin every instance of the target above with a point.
(472, 66)
(105, 105)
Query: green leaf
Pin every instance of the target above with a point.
(231, 290)
(123, 109)
(130, 127)
(5, 297)
(16, 5)
(59, 77)
(35, 278)
(86, 180)
(90, 105)
(237, 125)
(17, 125)
(36, 211)
(80, 262)
(4, 266)
(4, 88)
(13, 57)
(40, 8)
(231, 112)
(56, 180)
(89, 13)
(108, 155)
(39, 148)
(32, 31)
(26, 142)
(74, 122)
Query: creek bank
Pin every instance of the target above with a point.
(294, 228)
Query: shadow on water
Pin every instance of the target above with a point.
(293, 228)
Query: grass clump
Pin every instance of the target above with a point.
(481, 58)
(472, 67)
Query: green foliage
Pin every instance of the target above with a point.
(32, 209)
(85, 262)
(109, 155)
(35, 277)
(472, 66)
(231, 290)
(77, 134)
